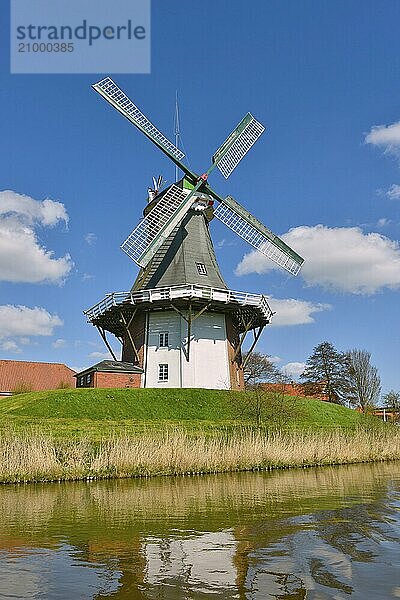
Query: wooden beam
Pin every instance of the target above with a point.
(189, 332)
(256, 338)
(179, 312)
(185, 318)
(241, 340)
(189, 320)
(130, 336)
(201, 311)
(132, 317)
(104, 337)
(193, 317)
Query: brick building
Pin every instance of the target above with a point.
(21, 375)
(110, 374)
(297, 389)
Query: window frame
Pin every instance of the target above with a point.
(163, 372)
(163, 339)
(201, 269)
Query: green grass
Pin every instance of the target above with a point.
(98, 412)
(74, 434)
(139, 404)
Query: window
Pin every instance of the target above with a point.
(201, 268)
(81, 380)
(88, 378)
(164, 339)
(163, 372)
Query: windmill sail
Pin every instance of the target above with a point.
(151, 232)
(237, 218)
(236, 146)
(116, 97)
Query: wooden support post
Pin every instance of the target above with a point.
(189, 320)
(104, 337)
(256, 338)
(189, 332)
(131, 319)
(179, 312)
(193, 317)
(129, 334)
(201, 311)
(241, 340)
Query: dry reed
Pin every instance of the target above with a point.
(32, 456)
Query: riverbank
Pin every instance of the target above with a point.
(34, 456)
(93, 433)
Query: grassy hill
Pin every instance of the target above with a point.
(177, 431)
(98, 411)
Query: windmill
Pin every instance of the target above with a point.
(179, 322)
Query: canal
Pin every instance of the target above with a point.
(318, 533)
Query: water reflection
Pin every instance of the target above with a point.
(315, 533)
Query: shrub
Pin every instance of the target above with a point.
(22, 388)
(64, 385)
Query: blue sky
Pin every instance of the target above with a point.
(321, 76)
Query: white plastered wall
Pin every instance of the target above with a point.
(208, 357)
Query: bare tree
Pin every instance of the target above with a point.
(258, 369)
(269, 405)
(391, 401)
(263, 405)
(364, 382)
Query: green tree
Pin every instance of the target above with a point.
(364, 382)
(326, 370)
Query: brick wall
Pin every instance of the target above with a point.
(235, 367)
(117, 380)
(137, 330)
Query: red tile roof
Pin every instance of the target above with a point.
(295, 389)
(34, 375)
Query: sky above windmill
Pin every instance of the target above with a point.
(321, 76)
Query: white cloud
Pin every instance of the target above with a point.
(383, 222)
(15, 321)
(24, 321)
(59, 343)
(90, 238)
(101, 355)
(274, 359)
(386, 136)
(47, 212)
(339, 258)
(22, 257)
(294, 369)
(393, 192)
(10, 346)
(224, 243)
(294, 312)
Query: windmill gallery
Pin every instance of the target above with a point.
(179, 325)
